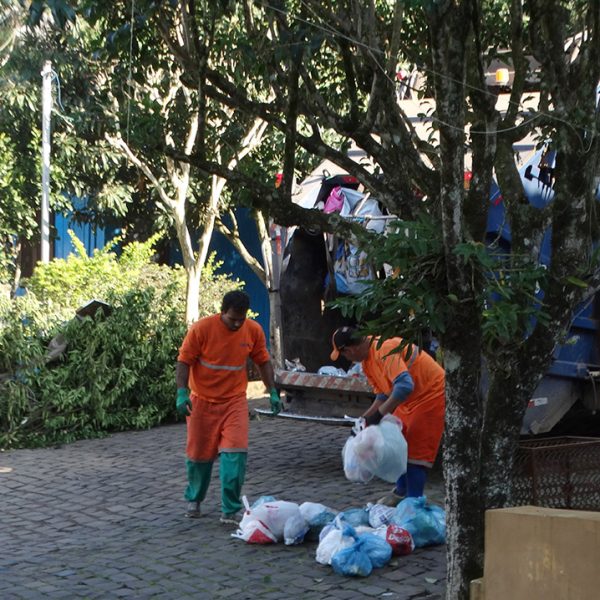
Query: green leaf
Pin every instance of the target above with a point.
(578, 282)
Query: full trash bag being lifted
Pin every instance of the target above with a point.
(378, 450)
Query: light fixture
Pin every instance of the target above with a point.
(502, 76)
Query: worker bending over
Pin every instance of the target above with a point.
(408, 384)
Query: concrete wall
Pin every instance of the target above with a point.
(545, 553)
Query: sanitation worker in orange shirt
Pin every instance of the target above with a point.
(408, 384)
(212, 363)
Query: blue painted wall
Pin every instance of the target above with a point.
(91, 236)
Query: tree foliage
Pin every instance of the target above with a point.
(323, 75)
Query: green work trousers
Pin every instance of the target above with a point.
(232, 471)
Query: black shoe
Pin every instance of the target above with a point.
(193, 510)
(231, 518)
(391, 499)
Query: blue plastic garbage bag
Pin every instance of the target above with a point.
(368, 552)
(322, 519)
(353, 561)
(294, 530)
(336, 523)
(377, 549)
(317, 524)
(317, 516)
(425, 522)
(355, 517)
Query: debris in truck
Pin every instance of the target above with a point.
(354, 371)
(329, 370)
(327, 399)
(294, 365)
(295, 379)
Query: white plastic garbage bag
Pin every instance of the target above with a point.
(254, 532)
(337, 539)
(272, 514)
(379, 450)
(330, 370)
(354, 469)
(392, 462)
(380, 514)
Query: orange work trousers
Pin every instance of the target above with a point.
(216, 426)
(423, 429)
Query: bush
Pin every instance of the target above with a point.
(66, 284)
(118, 371)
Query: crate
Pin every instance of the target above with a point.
(559, 472)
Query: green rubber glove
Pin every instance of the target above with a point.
(184, 404)
(275, 401)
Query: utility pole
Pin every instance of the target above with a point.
(47, 75)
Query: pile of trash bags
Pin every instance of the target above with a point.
(354, 541)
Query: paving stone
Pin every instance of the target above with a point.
(104, 519)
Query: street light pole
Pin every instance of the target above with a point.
(46, 111)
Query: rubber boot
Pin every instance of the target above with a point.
(400, 489)
(416, 476)
(198, 474)
(232, 469)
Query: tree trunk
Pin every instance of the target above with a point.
(16, 282)
(271, 280)
(275, 330)
(194, 261)
(503, 416)
(450, 28)
(195, 273)
(461, 458)
(192, 296)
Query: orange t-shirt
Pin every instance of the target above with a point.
(217, 357)
(381, 368)
(422, 413)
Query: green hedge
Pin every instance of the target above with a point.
(118, 371)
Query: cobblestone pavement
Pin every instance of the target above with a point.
(104, 519)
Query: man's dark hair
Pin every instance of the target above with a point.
(238, 300)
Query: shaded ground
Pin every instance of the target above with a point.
(104, 519)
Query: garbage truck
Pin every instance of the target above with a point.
(572, 383)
